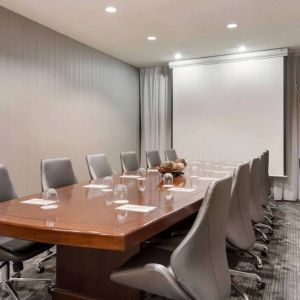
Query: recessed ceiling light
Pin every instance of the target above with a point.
(177, 55)
(232, 25)
(242, 48)
(110, 9)
(151, 38)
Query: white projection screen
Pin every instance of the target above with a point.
(230, 111)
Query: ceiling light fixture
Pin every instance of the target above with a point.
(242, 48)
(110, 9)
(177, 55)
(151, 38)
(232, 26)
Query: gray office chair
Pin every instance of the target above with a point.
(197, 268)
(98, 166)
(240, 232)
(15, 251)
(267, 178)
(263, 187)
(171, 155)
(129, 161)
(55, 173)
(153, 158)
(256, 210)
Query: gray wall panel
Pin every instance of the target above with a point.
(59, 97)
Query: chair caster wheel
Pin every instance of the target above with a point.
(40, 270)
(258, 266)
(51, 287)
(270, 231)
(260, 285)
(264, 253)
(267, 241)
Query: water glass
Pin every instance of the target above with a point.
(142, 172)
(120, 194)
(50, 194)
(108, 180)
(194, 171)
(168, 180)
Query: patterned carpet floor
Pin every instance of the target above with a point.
(281, 271)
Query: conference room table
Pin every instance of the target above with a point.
(94, 236)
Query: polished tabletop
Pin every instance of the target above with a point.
(87, 217)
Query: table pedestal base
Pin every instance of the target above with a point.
(83, 273)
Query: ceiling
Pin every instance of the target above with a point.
(195, 28)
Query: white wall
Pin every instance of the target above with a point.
(232, 111)
(59, 97)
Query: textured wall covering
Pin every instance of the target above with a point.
(59, 97)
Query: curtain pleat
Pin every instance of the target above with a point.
(288, 189)
(155, 110)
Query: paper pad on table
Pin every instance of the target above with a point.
(38, 202)
(137, 208)
(96, 186)
(178, 189)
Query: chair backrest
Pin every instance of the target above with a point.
(98, 166)
(153, 158)
(267, 178)
(256, 209)
(240, 232)
(263, 187)
(171, 154)
(57, 173)
(200, 262)
(7, 191)
(129, 161)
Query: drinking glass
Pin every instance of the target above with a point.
(108, 181)
(194, 182)
(168, 180)
(120, 194)
(194, 171)
(50, 194)
(142, 172)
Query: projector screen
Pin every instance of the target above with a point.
(230, 111)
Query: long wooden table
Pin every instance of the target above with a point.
(93, 237)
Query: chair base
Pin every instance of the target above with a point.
(239, 290)
(8, 282)
(260, 284)
(40, 266)
(258, 263)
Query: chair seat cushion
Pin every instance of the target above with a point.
(150, 271)
(15, 250)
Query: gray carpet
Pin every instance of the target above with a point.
(281, 271)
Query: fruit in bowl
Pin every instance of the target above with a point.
(171, 167)
(181, 160)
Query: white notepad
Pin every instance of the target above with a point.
(130, 176)
(96, 186)
(137, 208)
(38, 202)
(217, 171)
(208, 178)
(178, 189)
(152, 170)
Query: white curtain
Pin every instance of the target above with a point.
(155, 91)
(288, 189)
